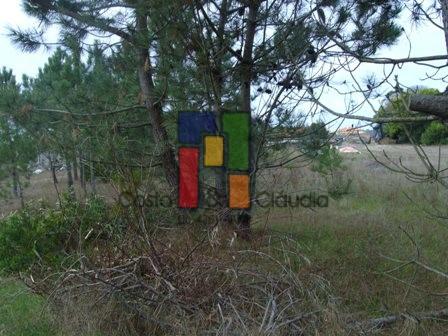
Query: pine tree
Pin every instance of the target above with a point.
(212, 54)
(17, 148)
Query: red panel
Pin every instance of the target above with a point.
(188, 177)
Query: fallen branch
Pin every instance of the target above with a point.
(386, 321)
(429, 104)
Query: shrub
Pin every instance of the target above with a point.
(338, 184)
(27, 236)
(41, 235)
(328, 162)
(435, 134)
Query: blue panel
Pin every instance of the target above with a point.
(192, 125)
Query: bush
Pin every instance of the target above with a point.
(40, 235)
(435, 134)
(338, 184)
(328, 162)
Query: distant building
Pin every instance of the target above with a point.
(353, 135)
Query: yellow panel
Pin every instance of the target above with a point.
(213, 151)
(239, 191)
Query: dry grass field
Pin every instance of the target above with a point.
(361, 244)
(41, 187)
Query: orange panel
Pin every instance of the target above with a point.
(239, 191)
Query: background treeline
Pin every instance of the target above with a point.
(425, 133)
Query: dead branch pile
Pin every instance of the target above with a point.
(211, 289)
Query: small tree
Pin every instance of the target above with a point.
(316, 137)
(17, 149)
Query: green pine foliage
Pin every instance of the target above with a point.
(315, 138)
(17, 148)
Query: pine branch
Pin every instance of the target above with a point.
(28, 41)
(92, 21)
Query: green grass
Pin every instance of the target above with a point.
(21, 312)
(347, 244)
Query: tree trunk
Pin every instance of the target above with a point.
(17, 187)
(432, 105)
(15, 182)
(75, 169)
(444, 5)
(154, 107)
(247, 62)
(53, 170)
(82, 175)
(217, 78)
(71, 187)
(92, 178)
(22, 200)
(244, 218)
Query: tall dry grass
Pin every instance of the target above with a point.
(305, 272)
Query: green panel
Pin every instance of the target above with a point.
(237, 131)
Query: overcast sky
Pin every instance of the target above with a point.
(425, 40)
(12, 15)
